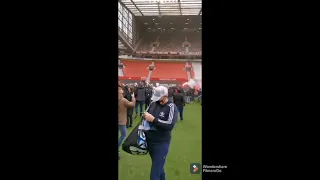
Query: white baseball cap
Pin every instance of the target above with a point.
(159, 92)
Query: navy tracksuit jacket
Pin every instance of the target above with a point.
(159, 136)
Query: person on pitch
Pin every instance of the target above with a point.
(123, 106)
(162, 116)
(179, 101)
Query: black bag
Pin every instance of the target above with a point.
(136, 142)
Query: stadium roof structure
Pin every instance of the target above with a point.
(173, 22)
(163, 7)
(121, 45)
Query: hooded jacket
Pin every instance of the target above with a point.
(166, 116)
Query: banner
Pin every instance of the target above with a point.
(190, 53)
(153, 79)
(176, 53)
(153, 82)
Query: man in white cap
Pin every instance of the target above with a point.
(162, 116)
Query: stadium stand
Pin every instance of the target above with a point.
(135, 68)
(197, 69)
(176, 70)
(159, 43)
(195, 41)
(120, 73)
(171, 42)
(146, 44)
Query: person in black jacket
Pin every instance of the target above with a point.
(178, 99)
(148, 96)
(170, 94)
(140, 95)
(128, 95)
(162, 116)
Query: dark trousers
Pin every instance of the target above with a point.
(139, 103)
(129, 117)
(148, 100)
(192, 98)
(158, 153)
(180, 108)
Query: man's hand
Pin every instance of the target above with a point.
(148, 117)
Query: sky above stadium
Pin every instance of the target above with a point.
(164, 7)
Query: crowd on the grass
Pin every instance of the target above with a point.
(160, 106)
(142, 92)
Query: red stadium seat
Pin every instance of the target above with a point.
(136, 68)
(168, 70)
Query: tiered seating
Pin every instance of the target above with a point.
(146, 45)
(165, 43)
(197, 69)
(191, 72)
(120, 72)
(167, 70)
(136, 68)
(171, 42)
(195, 40)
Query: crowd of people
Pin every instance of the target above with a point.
(142, 92)
(159, 105)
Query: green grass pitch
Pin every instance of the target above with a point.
(185, 148)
